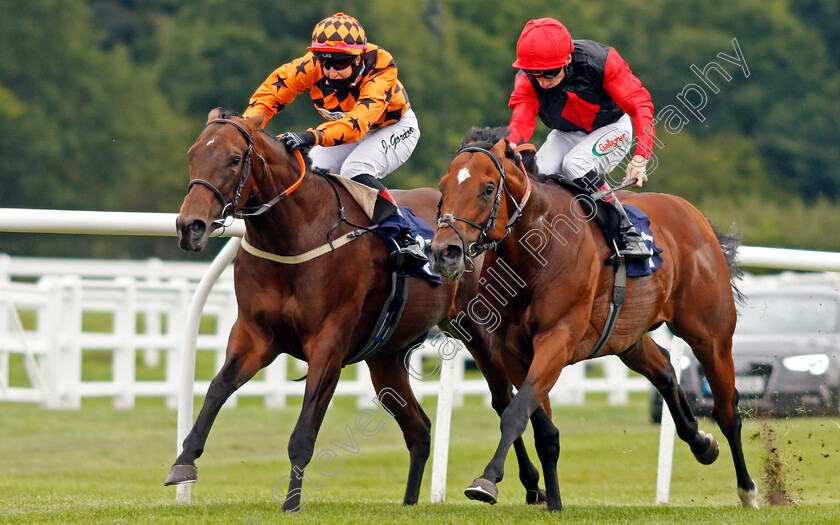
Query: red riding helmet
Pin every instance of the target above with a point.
(339, 33)
(545, 43)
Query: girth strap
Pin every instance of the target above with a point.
(388, 320)
(619, 292)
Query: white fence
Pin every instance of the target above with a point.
(140, 307)
(136, 317)
(144, 303)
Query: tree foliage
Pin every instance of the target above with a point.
(100, 99)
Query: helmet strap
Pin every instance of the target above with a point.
(350, 81)
(357, 73)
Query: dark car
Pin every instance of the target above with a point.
(786, 351)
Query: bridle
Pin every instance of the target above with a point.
(481, 244)
(229, 209)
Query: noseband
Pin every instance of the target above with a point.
(481, 244)
(229, 208)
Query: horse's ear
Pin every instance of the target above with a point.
(499, 148)
(254, 123)
(214, 114)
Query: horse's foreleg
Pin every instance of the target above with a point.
(245, 357)
(390, 379)
(542, 374)
(321, 380)
(529, 476)
(489, 362)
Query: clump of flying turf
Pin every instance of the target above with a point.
(778, 478)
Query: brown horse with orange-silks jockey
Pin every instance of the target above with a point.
(321, 307)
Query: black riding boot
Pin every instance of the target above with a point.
(631, 246)
(406, 253)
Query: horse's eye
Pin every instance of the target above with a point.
(235, 160)
(488, 190)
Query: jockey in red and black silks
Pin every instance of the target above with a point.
(586, 94)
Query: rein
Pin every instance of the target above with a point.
(481, 244)
(262, 208)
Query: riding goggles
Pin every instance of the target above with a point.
(333, 62)
(545, 73)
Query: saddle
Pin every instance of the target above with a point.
(365, 196)
(608, 221)
(605, 217)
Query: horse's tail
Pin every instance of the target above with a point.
(729, 243)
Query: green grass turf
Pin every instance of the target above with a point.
(100, 465)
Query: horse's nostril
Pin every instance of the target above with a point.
(453, 251)
(196, 228)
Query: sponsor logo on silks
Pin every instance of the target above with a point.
(332, 115)
(604, 144)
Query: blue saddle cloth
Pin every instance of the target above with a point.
(642, 223)
(420, 230)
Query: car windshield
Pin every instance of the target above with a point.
(788, 314)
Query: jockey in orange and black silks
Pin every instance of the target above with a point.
(370, 128)
(371, 97)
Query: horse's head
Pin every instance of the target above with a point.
(482, 197)
(220, 164)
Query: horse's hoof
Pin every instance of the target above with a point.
(483, 490)
(535, 497)
(711, 454)
(181, 474)
(748, 497)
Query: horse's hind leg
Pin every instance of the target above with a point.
(390, 379)
(653, 362)
(245, 357)
(715, 357)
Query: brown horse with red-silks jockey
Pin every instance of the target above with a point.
(490, 201)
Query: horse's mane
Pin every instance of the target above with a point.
(488, 137)
(227, 114)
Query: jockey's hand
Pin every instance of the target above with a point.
(294, 141)
(636, 169)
